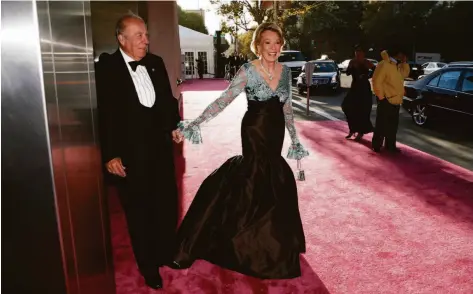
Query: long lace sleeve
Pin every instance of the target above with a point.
(296, 151)
(191, 130)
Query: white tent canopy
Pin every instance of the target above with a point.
(193, 45)
(193, 39)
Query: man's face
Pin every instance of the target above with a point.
(134, 39)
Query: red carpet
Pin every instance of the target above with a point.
(374, 223)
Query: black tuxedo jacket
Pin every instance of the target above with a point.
(115, 88)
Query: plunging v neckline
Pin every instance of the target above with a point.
(264, 80)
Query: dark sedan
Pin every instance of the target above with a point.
(326, 76)
(445, 94)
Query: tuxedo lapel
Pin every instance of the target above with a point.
(124, 76)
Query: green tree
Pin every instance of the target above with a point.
(192, 21)
(244, 43)
(240, 14)
(323, 27)
(400, 22)
(448, 31)
(424, 26)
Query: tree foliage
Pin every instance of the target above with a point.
(334, 27)
(191, 20)
(244, 42)
(240, 15)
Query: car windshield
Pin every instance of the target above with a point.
(291, 56)
(324, 67)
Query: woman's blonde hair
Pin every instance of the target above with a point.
(266, 26)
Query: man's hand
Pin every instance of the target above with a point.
(116, 167)
(177, 136)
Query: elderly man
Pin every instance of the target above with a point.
(388, 85)
(138, 117)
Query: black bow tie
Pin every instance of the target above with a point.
(134, 64)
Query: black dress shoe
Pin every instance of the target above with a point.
(350, 134)
(376, 149)
(154, 282)
(358, 137)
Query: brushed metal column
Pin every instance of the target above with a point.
(56, 224)
(32, 259)
(66, 42)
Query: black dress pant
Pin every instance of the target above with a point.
(387, 121)
(148, 195)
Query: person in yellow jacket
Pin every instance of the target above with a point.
(388, 86)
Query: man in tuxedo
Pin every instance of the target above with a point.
(138, 117)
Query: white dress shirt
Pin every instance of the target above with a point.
(143, 84)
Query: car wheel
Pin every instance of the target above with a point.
(300, 91)
(418, 115)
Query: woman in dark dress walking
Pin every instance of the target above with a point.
(245, 215)
(359, 99)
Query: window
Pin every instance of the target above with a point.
(434, 82)
(467, 83)
(189, 62)
(448, 80)
(324, 67)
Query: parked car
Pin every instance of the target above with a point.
(373, 61)
(460, 64)
(344, 65)
(430, 67)
(444, 94)
(455, 64)
(295, 60)
(326, 76)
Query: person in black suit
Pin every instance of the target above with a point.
(138, 118)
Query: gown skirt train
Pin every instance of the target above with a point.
(245, 215)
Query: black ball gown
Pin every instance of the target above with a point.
(245, 215)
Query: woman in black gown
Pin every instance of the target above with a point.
(245, 215)
(359, 99)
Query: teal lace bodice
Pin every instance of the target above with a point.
(248, 79)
